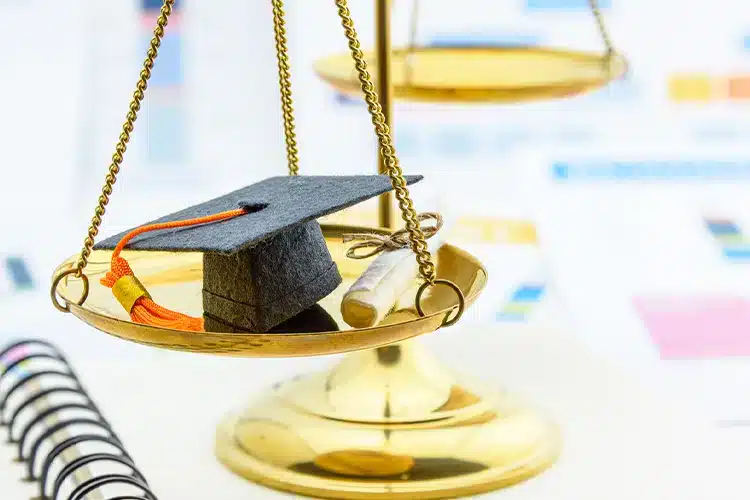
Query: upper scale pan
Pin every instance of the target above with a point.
(481, 74)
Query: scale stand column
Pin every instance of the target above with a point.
(384, 81)
(386, 423)
(389, 422)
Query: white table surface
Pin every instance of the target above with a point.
(623, 441)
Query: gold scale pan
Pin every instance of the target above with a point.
(387, 422)
(482, 74)
(177, 281)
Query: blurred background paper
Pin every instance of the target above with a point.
(643, 275)
(40, 141)
(204, 125)
(620, 217)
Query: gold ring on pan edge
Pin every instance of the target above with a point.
(175, 281)
(477, 74)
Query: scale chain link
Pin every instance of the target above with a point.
(285, 86)
(127, 129)
(416, 236)
(594, 4)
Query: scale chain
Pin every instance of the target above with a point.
(409, 215)
(388, 152)
(285, 86)
(594, 4)
(127, 129)
(117, 158)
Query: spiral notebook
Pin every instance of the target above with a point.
(61, 441)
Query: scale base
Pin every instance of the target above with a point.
(319, 435)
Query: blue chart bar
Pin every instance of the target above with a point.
(484, 39)
(721, 229)
(521, 303)
(729, 236)
(528, 293)
(746, 43)
(597, 171)
(18, 273)
(742, 254)
(563, 5)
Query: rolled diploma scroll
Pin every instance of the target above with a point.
(379, 288)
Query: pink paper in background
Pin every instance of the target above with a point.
(697, 327)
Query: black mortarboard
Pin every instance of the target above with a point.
(264, 267)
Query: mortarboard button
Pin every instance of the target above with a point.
(265, 259)
(252, 206)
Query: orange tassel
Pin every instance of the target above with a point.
(132, 294)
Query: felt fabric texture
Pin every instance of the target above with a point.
(279, 204)
(265, 267)
(257, 289)
(311, 320)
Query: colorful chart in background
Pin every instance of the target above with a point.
(732, 242)
(164, 106)
(15, 275)
(705, 88)
(653, 170)
(521, 303)
(697, 327)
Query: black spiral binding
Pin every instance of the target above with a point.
(38, 467)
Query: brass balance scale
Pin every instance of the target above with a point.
(388, 421)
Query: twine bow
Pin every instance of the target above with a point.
(387, 242)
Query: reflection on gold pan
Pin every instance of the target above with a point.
(175, 280)
(481, 74)
(326, 435)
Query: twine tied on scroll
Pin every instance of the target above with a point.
(379, 289)
(389, 242)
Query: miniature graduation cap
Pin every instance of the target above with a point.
(265, 259)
